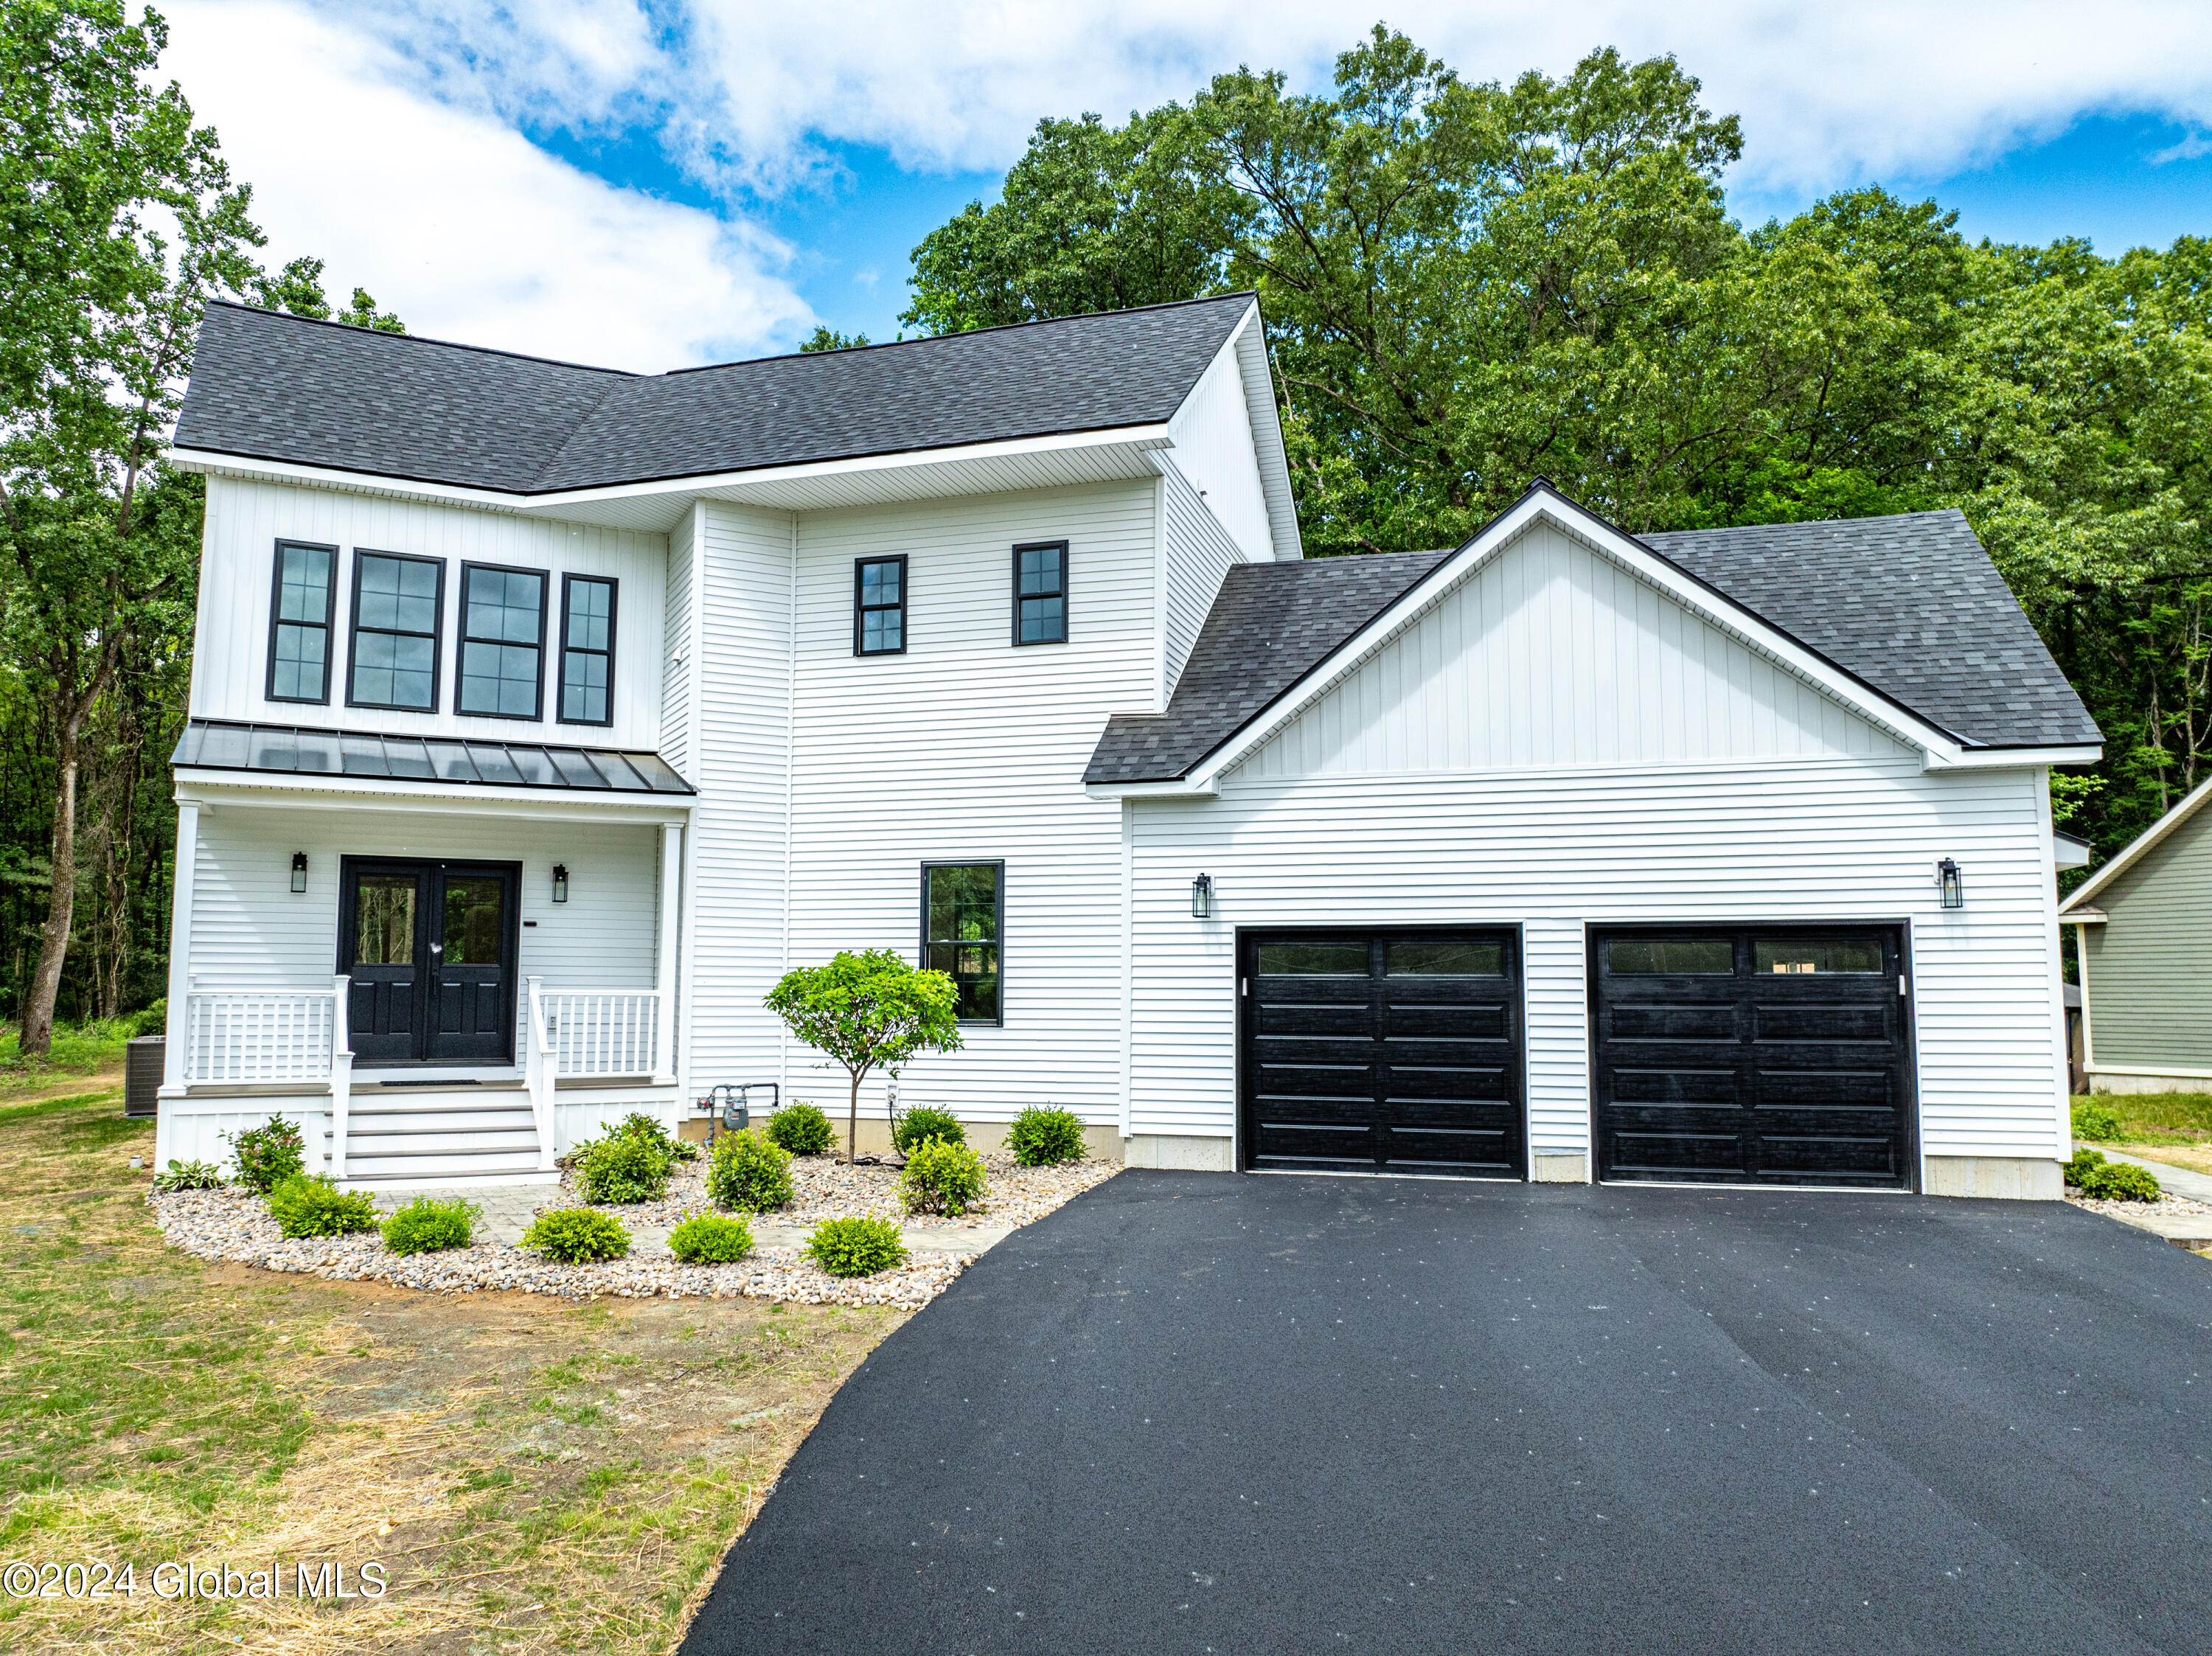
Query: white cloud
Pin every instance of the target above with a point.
(2194, 147)
(452, 217)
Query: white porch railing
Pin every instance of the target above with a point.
(273, 1037)
(604, 1034)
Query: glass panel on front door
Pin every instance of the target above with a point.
(430, 951)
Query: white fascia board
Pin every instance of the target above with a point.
(2135, 849)
(1149, 791)
(1250, 343)
(720, 485)
(1601, 538)
(292, 790)
(2067, 851)
(1994, 759)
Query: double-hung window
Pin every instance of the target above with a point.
(397, 602)
(1041, 593)
(502, 642)
(961, 903)
(587, 650)
(300, 608)
(879, 606)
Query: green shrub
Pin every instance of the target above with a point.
(188, 1175)
(152, 1021)
(268, 1155)
(920, 1126)
(710, 1238)
(316, 1207)
(941, 1177)
(856, 1247)
(2080, 1167)
(749, 1174)
(1042, 1136)
(801, 1129)
(2095, 1121)
(429, 1224)
(622, 1167)
(638, 1125)
(2120, 1181)
(577, 1236)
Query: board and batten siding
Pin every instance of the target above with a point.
(2148, 968)
(1196, 553)
(742, 681)
(968, 749)
(250, 931)
(245, 520)
(1554, 851)
(1550, 655)
(1212, 435)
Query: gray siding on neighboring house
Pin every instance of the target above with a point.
(2150, 966)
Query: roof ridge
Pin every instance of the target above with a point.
(964, 333)
(1809, 522)
(422, 339)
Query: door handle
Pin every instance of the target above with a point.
(437, 948)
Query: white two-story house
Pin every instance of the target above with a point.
(542, 716)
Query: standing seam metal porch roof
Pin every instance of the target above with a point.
(284, 388)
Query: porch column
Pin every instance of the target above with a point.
(180, 952)
(663, 964)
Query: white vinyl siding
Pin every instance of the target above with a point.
(1212, 436)
(741, 768)
(1196, 553)
(1555, 851)
(245, 521)
(250, 931)
(676, 676)
(968, 749)
(1549, 655)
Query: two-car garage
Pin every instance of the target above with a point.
(1775, 1055)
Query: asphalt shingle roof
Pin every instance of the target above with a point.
(284, 388)
(1910, 605)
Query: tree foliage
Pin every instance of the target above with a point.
(1468, 286)
(867, 1011)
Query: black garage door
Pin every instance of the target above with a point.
(1772, 1056)
(1369, 1051)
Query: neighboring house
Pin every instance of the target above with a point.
(2143, 927)
(549, 714)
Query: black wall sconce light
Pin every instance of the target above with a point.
(1953, 882)
(560, 883)
(299, 870)
(1201, 897)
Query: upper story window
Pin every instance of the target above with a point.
(587, 650)
(1041, 593)
(299, 618)
(502, 642)
(960, 908)
(879, 606)
(397, 602)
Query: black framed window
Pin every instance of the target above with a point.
(502, 642)
(879, 606)
(301, 606)
(397, 602)
(587, 650)
(1041, 593)
(961, 905)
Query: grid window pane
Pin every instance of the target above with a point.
(300, 629)
(304, 593)
(880, 607)
(1044, 620)
(1039, 571)
(588, 637)
(591, 608)
(500, 679)
(584, 691)
(503, 619)
(961, 935)
(505, 605)
(301, 659)
(395, 642)
(399, 594)
(1041, 594)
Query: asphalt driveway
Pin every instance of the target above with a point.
(1202, 1413)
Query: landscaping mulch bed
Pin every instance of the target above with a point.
(825, 1188)
(2167, 1203)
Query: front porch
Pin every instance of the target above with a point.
(504, 981)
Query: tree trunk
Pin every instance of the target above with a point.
(38, 1034)
(853, 1124)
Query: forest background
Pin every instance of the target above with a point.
(1467, 285)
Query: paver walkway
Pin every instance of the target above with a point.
(1194, 1412)
(508, 1210)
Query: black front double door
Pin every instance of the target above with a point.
(1373, 1052)
(430, 948)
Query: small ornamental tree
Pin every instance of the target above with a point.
(867, 1011)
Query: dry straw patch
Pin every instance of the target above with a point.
(536, 1474)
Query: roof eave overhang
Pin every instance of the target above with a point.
(1941, 748)
(975, 468)
(1173, 789)
(2133, 853)
(1986, 759)
(202, 786)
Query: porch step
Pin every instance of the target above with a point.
(434, 1135)
(454, 1162)
(452, 1118)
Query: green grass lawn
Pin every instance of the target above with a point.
(77, 1049)
(2175, 1128)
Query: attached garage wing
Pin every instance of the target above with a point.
(1766, 1056)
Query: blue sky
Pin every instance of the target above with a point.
(655, 183)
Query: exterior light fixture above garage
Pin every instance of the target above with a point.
(1953, 884)
(560, 883)
(299, 870)
(1201, 897)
